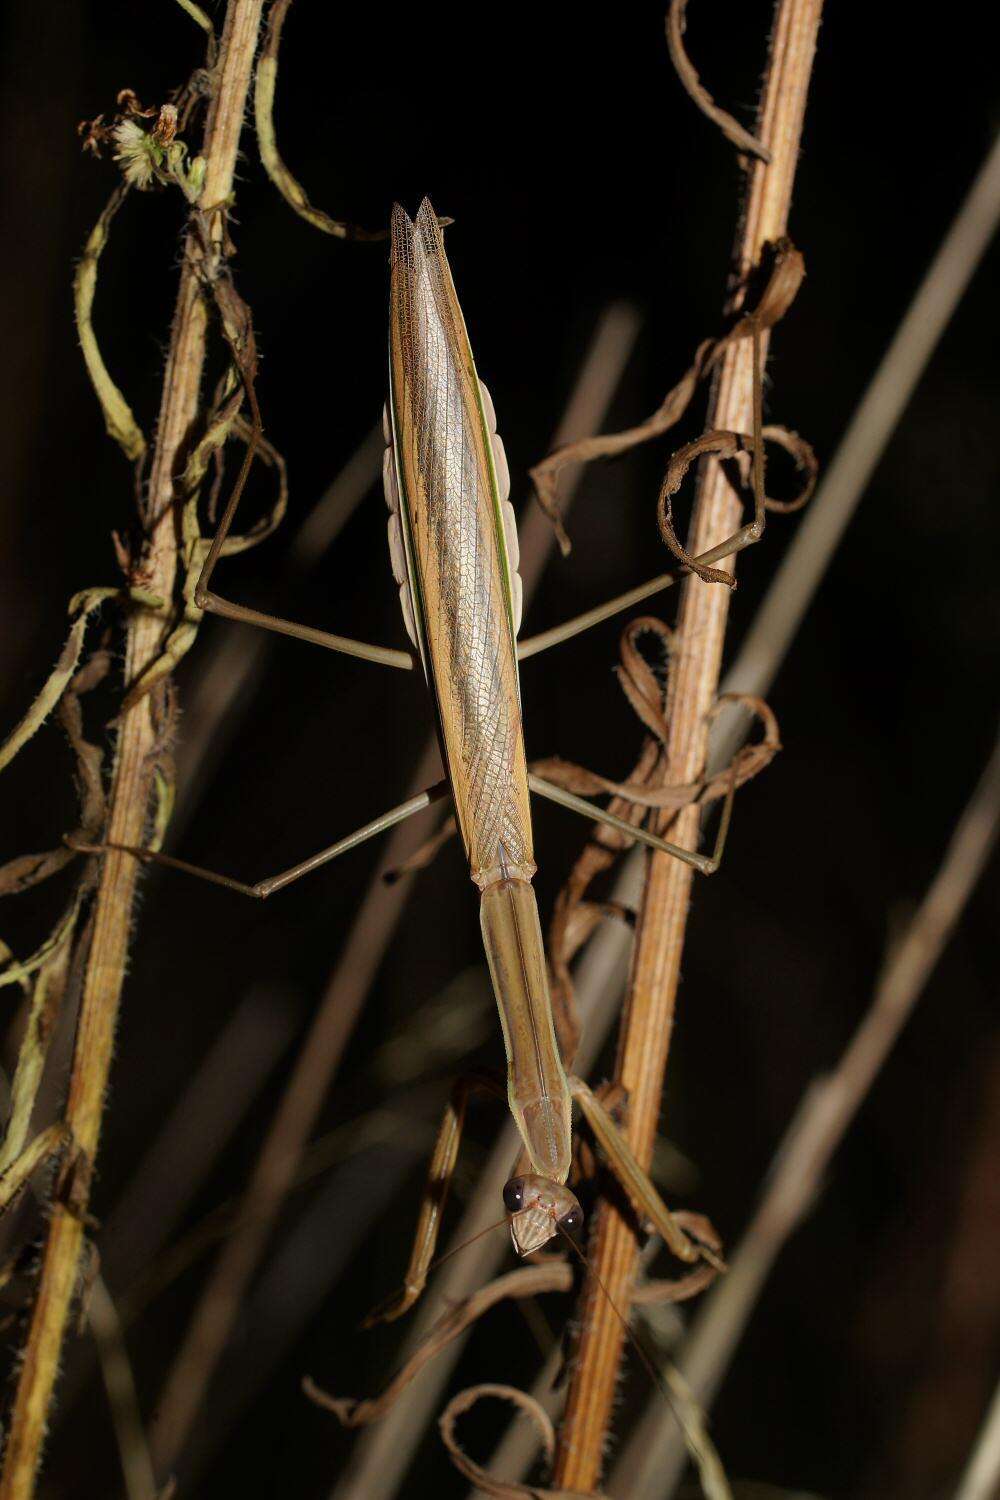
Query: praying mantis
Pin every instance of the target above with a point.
(454, 556)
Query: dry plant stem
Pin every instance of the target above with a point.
(130, 794)
(771, 634)
(652, 1462)
(341, 1004)
(648, 1017)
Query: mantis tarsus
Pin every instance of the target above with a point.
(453, 548)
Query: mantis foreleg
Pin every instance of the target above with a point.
(642, 1194)
(439, 1175)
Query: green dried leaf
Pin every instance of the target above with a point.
(82, 605)
(197, 14)
(45, 1145)
(290, 189)
(118, 418)
(17, 973)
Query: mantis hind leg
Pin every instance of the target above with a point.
(705, 864)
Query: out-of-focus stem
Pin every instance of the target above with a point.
(131, 787)
(981, 1480)
(648, 1018)
(119, 1382)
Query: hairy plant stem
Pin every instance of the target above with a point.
(132, 781)
(649, 1008)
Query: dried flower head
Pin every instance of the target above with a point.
(135, 153)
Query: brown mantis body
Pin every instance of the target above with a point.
(453, 546)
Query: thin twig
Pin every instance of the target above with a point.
(648, 1017)
(652, 1460)
(132, 785)
(344, 997)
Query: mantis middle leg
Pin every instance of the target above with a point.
(205, 599)
(261, 889)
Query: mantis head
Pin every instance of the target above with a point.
(538, 1208)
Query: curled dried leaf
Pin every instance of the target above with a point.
(290, 189)
(721, 445)
(15, 972)
(26, 870)
(785, 269)
(225, 420)
(545, 474)
(677, 1289)
(803, 456)
(177, 645)
(46, 999)
(44, 1148)
(82, 606)
(502, 1489)
(590, 784)
(750, 759)
(575, 917)
(273, 517)
(730, 127)
(642, 684)
(530, 1281)
(118, 418)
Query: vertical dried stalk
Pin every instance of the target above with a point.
(132, 783)
(649, 1009)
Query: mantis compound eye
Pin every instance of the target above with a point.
(513, 1195)
(572, 1221)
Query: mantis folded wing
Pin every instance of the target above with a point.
(454, 555)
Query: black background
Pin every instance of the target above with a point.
(577, 173)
